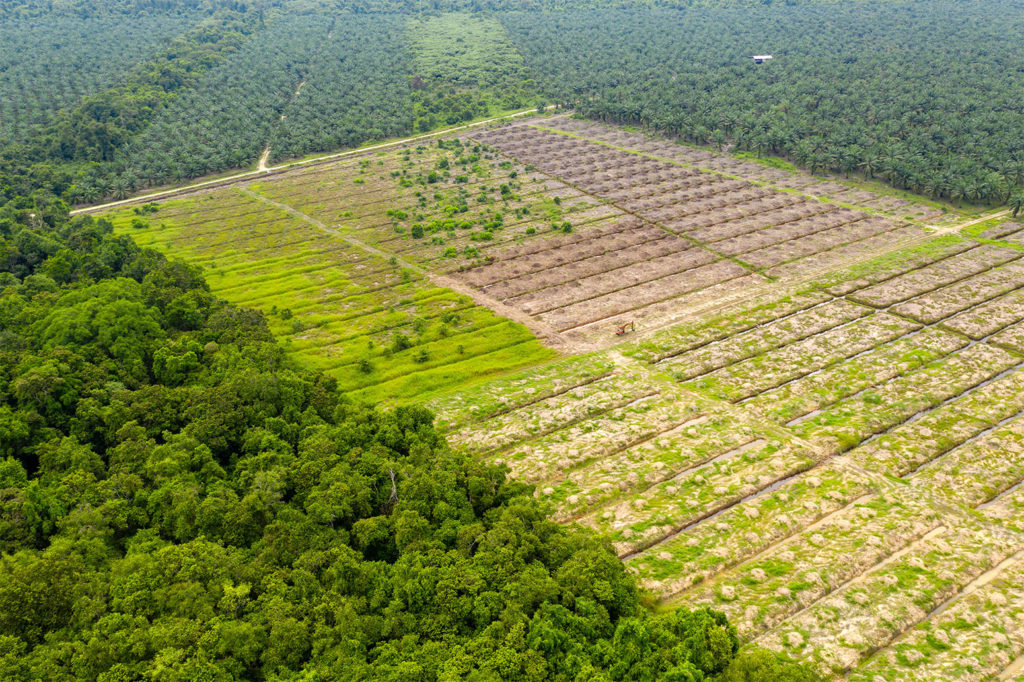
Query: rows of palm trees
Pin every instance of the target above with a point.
(357, 89)
(48, 65)
(925, 96)
(226, 121)
(354, 83)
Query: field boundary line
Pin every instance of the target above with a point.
(275, 170)
(727, 364)
(532, 401)
(774, 546)
(1015, 666)
(852, 296)
(492, 452)
(539, 328)
(628, 285)
(976, 583)
(640, 441)
(937, 530)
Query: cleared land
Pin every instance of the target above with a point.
(840, 473)
(375, 321)
(819, 428)
(701, 229)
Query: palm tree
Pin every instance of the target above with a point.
(120, 189)
(972, 190)
(870, 163)
(1016, 203)
(90, 193)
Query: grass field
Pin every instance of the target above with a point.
(384, 330)
(817, 428)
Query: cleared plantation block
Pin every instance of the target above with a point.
(671, 310)
(462, 369)
(1012, 337)
(815, 243)
(688, 441)
(518, 390)
(438, 313)
(557, 454)
(761, 593)
(930, 277)
(457, 252)
(748, 528)
(867, 614)
(756, 375)
(674, 252)
(578, 268)
(851, 421)
(942, 303)
(751, 214)
(978, 471)
(837, 189)
(489, 336)
(666, 509)
(772, 335)
(508, 222)
(895, 264)
(802, 398)
(382, 331)
(642, 295)
(561, 410)
(840, 256)
(980, 636)
(1001, 230)
(785, 232)
(688, 336)
(760, 216)
(989, 317)
(908, 446)
(526, 256)
(764, 228)
(381, 198)
(560, 295)
(1007, 507)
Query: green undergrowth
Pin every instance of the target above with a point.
(894, 260)
(384, 332)
(466, 67)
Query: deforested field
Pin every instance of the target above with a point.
(816, 426)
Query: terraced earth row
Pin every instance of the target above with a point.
(816, 427)
(839, 468)
(696, 235)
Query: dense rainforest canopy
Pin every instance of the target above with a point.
(178, 502)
